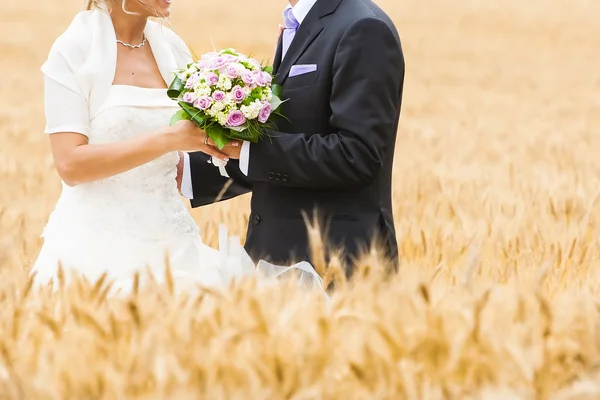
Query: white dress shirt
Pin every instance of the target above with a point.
(301, 10)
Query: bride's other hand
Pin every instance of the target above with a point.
(187, 136)
(179, 177)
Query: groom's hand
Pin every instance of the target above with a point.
(234, 151)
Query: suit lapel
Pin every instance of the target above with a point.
(327, 7)
(306, 33)
(278, 52)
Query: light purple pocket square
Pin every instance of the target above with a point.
(302, 69)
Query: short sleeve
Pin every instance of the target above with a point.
(66, 110)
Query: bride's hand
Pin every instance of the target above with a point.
(187, 136)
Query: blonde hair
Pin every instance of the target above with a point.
(91, 4)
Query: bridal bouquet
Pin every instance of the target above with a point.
(228, 94)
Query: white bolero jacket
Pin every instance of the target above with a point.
(80, 68)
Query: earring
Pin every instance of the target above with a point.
(125, 11)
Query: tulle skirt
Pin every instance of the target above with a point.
(191, 262)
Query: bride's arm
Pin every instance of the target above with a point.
(78, 162)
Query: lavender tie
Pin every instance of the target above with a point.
(289, 31)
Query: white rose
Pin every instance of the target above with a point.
(221, 83)
(251, 111)
(221, 118)
(218, 106)
(268, 94)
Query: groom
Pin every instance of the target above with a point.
(341, 66)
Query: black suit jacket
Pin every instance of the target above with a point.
(335, 153)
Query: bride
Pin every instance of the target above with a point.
(107, 116)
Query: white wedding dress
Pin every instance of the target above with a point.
(135, 220)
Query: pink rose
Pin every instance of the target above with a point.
(260, 80)
(201, 64)
(236, 118)
(189, 97)
(231, 71)
(229, 57)
(218, 95)
(249, 78)
(219, 63)
(265, 113)
(267, 78)
(255, 63)
(203, 103)
(192, 80)
(212, 79)
(237, 94)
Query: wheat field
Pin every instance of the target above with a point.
(496, 185)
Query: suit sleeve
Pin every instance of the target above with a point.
(209, 186)
(368, 75)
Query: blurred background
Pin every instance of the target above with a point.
(496, 185)
(501, 112)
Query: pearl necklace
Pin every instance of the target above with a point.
(136, 46)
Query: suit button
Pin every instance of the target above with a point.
(271, 176)
(256, 220)
(285, 178)
(278, 176)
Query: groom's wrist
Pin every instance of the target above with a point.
(245, 158)
(187, 189)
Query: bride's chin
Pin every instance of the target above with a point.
(163, 12)
(164, 7)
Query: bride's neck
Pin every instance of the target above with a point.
(128, 28)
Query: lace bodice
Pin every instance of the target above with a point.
(143, 202)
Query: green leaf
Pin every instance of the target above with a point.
(179, 116)
(268, 69)
(218, 134)
(277, 90)
(239, 128)
(251, 133)
(195, 114)
(245, 135)
(175, 88)
(247, 64)
(230, 51)
(275, 103)
(279, 114)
